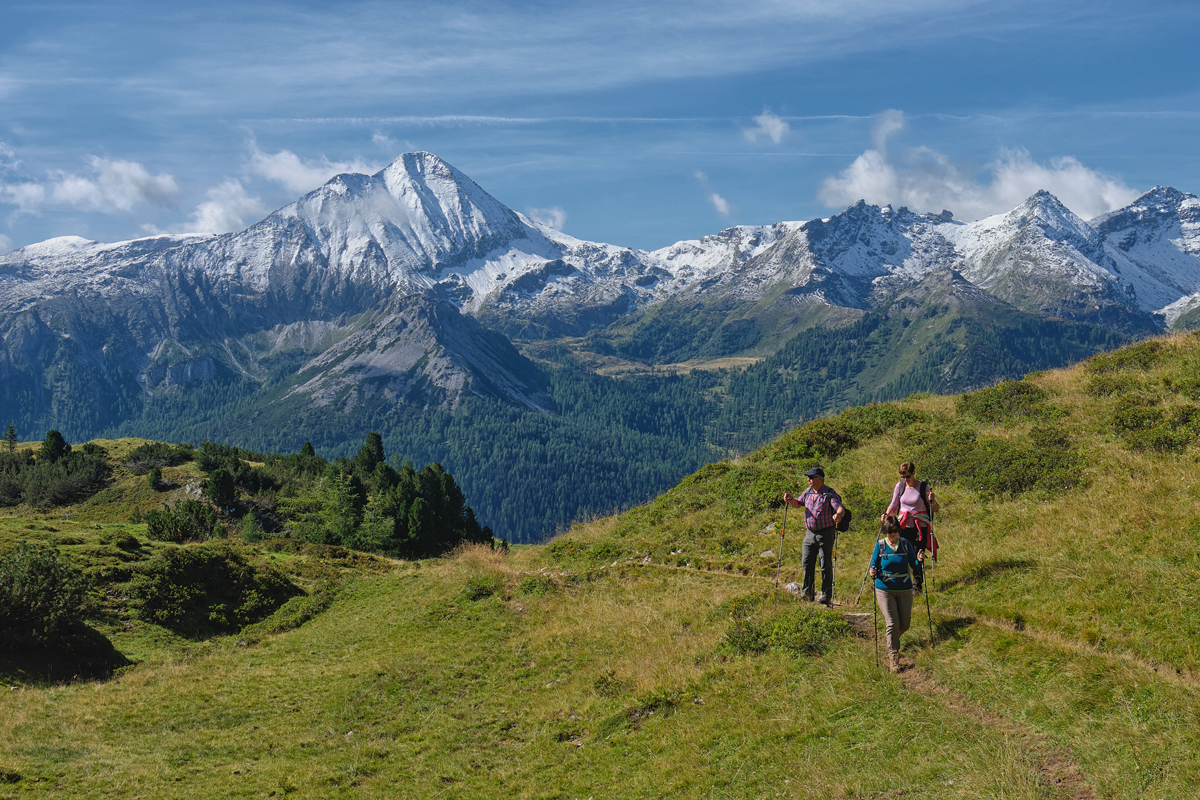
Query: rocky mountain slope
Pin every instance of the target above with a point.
(338, 289)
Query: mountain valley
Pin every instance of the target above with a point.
(393, 302)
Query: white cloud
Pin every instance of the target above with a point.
(228, 208)
(5, 243)
(886, 123)
(723, 206)
(8, 157)
(928, 181)
(114, 185)
(298, 175)
(769, 125)
(26, 196)
(555, 217)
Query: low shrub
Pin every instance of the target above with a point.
(729, 546)
(295, 612)
(122, 539)
(1107, 384)
(605, 552)
(39, 594)
(188, 521)
(1045, 460)
(1004, 401)
(609, 685)
(565, 549)
(777, 622)
(479, 587)
(208, 588)
(826, 439)
(1145, 424)
(157, 454)
(68, 476)
(1140, 357)
(866, 503)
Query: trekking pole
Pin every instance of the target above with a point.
(876, 627)
(781, 530)
(929, 616)
(833, 574)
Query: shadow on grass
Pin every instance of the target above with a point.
(80, 653)
(947, 629)
(981, 572)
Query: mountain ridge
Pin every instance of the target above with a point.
(391, 302)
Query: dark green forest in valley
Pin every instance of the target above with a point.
(609, 443)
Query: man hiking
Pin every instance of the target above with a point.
(822, 511)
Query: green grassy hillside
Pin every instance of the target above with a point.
(648, 654)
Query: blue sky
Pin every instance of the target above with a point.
(636, 123)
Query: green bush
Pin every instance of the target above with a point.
(1137, 412)
(220, 488)
(609, 685)
(207, 588)
(605, 552)
(1045, 460)
(39, 594)
(250, 531)
(826, 439)
(1005, 401)
(295, 612)
(189, 521)
(121, 539)
(1145, 425)
(1139, 357)
(59, 475)
(866, 503)
(157, 454)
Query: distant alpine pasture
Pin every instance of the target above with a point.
(558, 378)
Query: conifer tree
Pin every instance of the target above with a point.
(378, 527)
(10, 437)
(53, 448)
(369, 455)
(221, 488)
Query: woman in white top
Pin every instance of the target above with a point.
(913, 503)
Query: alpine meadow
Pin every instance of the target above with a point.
(650, 653)
(440, 400)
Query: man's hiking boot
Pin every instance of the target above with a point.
(823, 600)
(894, 662)
(807, 598)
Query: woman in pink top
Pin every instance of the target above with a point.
(914, 504)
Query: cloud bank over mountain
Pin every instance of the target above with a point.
(928, 181)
